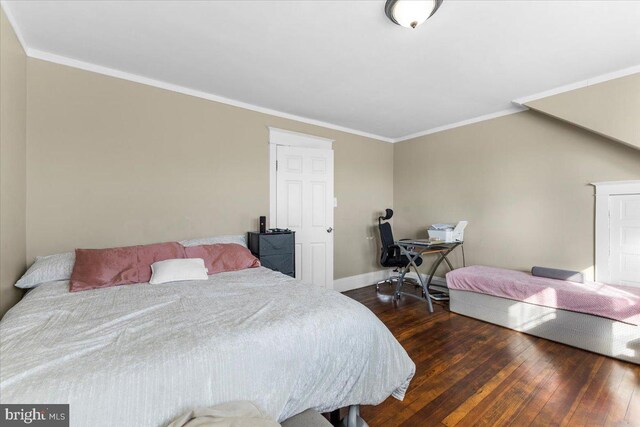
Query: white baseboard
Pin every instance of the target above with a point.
(360, 280)
(367, 279)
(437, 280)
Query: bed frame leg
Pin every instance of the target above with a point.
(353, 418)
(334, 417)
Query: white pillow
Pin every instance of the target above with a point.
(239, 239)
(48, 269)
(176, 270)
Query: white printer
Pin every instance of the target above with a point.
(447, 233)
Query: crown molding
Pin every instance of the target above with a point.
(512, 110)
(519, 104)
(87, 66)
(578, 85)
(70, 62)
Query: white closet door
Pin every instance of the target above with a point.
(304, 191)
(624, 228)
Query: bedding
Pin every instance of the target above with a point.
(101, 268)
(223, 257)
(141, 355)
(556, 273)
(59, 266)
(48, 269)
(239, 239)
(148, 254)
(228, 414)
(177, 270)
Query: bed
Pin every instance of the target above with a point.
(139, 355)
(601, 318)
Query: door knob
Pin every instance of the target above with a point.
(329, 230)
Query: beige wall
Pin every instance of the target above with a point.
(112, 162)
(521, 180)
(611, 108)
(12, 163)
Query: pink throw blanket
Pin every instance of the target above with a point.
(615, 302)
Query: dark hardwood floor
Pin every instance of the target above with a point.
(472, 373)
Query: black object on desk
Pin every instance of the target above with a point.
(275, 250)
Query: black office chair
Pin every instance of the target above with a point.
(391, 255)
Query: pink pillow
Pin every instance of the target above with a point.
(148, 254)
(223, 257)
(101, 268)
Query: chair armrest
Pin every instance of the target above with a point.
(392, 252)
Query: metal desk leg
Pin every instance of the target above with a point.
(447, 260)
(425, 289)
(434, 267)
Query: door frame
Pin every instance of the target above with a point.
(293, 139)
(604, 191)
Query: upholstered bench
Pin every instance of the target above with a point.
(308, 418)
(593, 316)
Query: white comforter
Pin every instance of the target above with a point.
(140, 355)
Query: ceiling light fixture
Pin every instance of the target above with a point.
(410, 13)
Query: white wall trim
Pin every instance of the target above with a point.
(604, 191)
(273, 176)
(296, 139)
(360, 280)
(578, 85)
(371, 278)
(609, 188)
(63, 60)
(511, 110)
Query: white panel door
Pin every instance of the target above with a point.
(304, 193)
(624, 228)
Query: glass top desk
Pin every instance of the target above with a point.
(413, 249)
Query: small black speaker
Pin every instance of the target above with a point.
(263, 224)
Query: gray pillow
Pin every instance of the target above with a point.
(556, 273)
(48, 269)
(240, 239)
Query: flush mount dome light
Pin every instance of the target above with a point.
(410, 13)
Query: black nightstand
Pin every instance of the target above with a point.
(276, 251)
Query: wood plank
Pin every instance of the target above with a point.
(470, 372)
(620, 396)
(504, 402)
(540, 395)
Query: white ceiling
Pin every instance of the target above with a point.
(344, 62)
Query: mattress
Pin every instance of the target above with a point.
(601, 335)
(140, 355)
(616, 302)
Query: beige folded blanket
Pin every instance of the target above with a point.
(230, 414)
